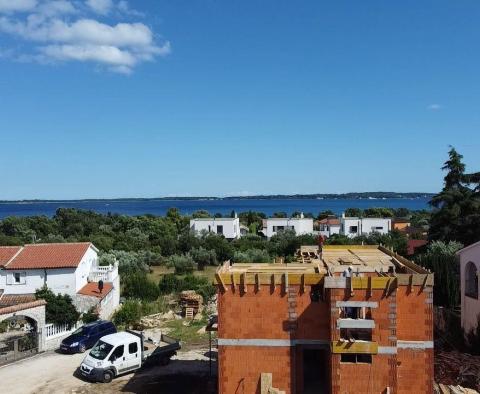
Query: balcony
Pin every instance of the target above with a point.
(106, 273)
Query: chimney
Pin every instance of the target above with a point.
(343, 215)
(301, 215)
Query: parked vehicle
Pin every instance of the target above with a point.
(124, 352)
(86, 336)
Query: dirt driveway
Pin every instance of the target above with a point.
(51, 372)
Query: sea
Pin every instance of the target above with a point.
(223, 206)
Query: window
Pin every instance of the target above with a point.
(356, 358)
(117, 353)
(357, 334)
(316, 294)
(353, 229)
(378, 228)
(132, 348)
(471, 280)
(19, 278)
(350, 312)
(219, 229)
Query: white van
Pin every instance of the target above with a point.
(123, 352)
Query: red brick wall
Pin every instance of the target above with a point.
(240, 368)
(253, 314)
(365, 378)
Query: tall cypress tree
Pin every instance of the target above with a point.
(456, 207)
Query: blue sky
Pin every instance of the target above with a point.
(109, 98)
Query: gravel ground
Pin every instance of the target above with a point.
(52, 372)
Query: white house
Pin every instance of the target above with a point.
(469, 259)
(301, 225)
(329, 226)
(65, 268)
(228, 227)
(353, 226)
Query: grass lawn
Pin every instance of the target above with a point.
(158, 271)
(188, 334)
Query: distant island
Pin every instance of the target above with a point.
(338, 196)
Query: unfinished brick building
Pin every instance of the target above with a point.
(349, 319)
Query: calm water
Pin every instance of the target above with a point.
(160, 207)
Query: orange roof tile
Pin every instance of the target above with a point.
(91, 289)
(57, 255)
(15, 299)
(21, 307)
(6, 253)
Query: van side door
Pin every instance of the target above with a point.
(117, 358)
(133, 355)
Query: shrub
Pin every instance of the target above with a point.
(59, 308)
(137, 285)
(252, 256)
(183, 264)
(90, 316)
(129, 314)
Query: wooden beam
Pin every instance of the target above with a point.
(345, 347)
(220, 281)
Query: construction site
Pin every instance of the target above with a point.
(340, 319)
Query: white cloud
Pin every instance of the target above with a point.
(435, 107)
(57, 37)
(102, 7)
(17, 5)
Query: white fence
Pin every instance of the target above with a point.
(53, 331)
(106, 273)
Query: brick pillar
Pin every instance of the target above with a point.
(334, 295)
(392, 340)
(429, 371)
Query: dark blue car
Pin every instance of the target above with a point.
(86, 336)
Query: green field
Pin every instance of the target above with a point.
(158, 271)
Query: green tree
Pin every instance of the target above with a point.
(353, 212)
(456, 215)
(203, 257)
(183, 264)
(59, 308)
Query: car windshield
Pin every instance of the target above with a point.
(101, 350)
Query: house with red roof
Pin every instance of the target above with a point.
(65, 268)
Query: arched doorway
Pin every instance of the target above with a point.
(18, 338)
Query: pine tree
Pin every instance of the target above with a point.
(456, 215)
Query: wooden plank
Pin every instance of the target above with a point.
(363, 347)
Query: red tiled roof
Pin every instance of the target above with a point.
(21, 307)
(6, 253)
(330, 221)
(15, 299)
(91, 289)
(58, 255)
(412, 244)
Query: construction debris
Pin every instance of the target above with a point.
(443, 389)
(191, 303)
(455, 368)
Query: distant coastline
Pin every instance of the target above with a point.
(320, 196)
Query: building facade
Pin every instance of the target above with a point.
(354, 321)
(228, 227)
(65, 268)
(329, 226)
(469, 260)
(354, 227)
(273, 226)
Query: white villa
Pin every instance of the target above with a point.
(273, 226)
(469, 258)
(228, 227)
(65, 268)
(354, 226)
(329, 226)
